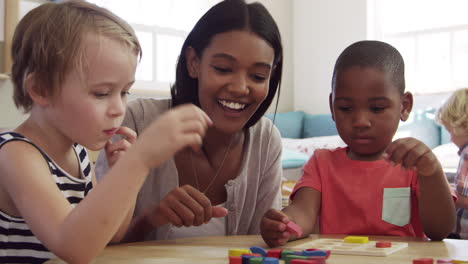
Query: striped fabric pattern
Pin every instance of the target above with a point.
(17, 243)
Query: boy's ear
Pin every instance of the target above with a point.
(193, 62)
(33, 88)
(330, 104)
(406, 106)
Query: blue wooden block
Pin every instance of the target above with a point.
(268, 260)
(258, 250)
(319, 253)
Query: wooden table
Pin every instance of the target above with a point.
(214, 250)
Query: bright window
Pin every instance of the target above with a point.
(161, 27)
(432, 36)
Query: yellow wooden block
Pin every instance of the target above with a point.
(237, 252)
(356, 239)
(455, 261)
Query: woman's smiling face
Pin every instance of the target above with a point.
(233, 77)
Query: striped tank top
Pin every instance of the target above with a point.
(17, 243)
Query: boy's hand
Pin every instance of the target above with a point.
(412, 154)
(115, 150)
(273, 228)
(184, 206)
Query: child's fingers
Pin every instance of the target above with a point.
(397, 150)
(201, 115)
(191, 112)
(391, 149)
(273, 228)
(427, 164)
(276, 235)
(271, 225)
(128, 133)
(121, 145)
(275, 239)
(193, 140)
(115, 156)
(276, 215)
(411, 154)
(194, 126)
(274, 220)
(413, 157)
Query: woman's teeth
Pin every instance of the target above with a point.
(232, 105)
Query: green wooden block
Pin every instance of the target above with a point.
(286, 252)
(256, 260)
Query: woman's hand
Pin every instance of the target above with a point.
(184, 206)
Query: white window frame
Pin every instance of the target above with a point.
(375, 32)
(142, 88)
(155, 87)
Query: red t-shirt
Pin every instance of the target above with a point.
(363, 197)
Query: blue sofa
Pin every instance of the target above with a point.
(300, 125)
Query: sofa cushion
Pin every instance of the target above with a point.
(445, 137)
(319, 125)
(293, 159)
(309, 145)
(290, 124)
(421, 125)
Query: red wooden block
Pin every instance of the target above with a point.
(294, 228)
(235, 260)
(383, 244)
(423, 261)
(274, 253)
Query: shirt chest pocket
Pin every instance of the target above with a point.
(396, 208)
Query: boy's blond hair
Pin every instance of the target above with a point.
(49, 42)
(454, 112)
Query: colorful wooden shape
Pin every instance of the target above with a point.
(294, 229)
(356, 239)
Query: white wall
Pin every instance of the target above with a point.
(321, 30)
(10, 117)
(2, 20)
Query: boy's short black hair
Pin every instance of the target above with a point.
(374, 54)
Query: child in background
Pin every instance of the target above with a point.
(373, 186)
(453, 115)
(73, 65)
